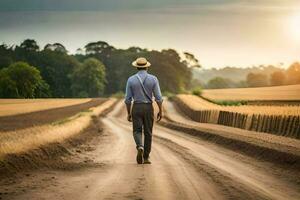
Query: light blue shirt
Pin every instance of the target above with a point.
(135, 92)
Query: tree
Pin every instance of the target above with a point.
(219, 82)
(278, 78)
(191, 60)
(30, 45)
(135, 49)
(56, 47)
(8, 88)
(97, 47)
(5, 56)
(57, 67)
(21, 80)
(88, 79)
(257, 80)
(293, 73)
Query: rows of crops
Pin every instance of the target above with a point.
(278, 93)
(20, 106)
(279, 120)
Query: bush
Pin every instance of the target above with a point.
(168, 94)
(231, 103)
(118, 95)
(197, 91)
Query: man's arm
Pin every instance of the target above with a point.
(158, 99)
(128, 99)
(159, 114)
(128, 107)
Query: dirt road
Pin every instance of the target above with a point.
(183, 167)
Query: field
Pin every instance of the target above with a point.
(19, 106)
(36, 112)
(279, 120)
(83, 150)
(18, 141)
(199, 104)
(278, 93)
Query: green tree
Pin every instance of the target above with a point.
(30, 45)
(8, 87)
(58, 47)
(21, 80)
(97, 47)
(56, 66)
(88, 79)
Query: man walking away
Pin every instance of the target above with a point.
(140, 88)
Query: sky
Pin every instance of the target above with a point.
(219, 33)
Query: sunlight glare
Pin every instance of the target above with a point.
(295, 27)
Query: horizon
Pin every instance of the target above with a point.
(235, 33)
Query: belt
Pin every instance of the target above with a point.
(142, 103)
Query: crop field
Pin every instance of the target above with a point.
(32, 137)
(279, 120)
(19, 114)
(276, 93)
(20, 106)
(200, 104)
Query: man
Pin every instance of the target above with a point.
(140, 88)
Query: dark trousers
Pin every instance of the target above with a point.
(142, 118)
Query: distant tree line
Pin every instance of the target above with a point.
(27, 71)
(256, 77)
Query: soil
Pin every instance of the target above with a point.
(21, 121)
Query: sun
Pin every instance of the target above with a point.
(295, 27)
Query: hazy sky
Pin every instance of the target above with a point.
(219, 32)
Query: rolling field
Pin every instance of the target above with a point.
(276, 93)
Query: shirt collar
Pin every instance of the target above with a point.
(142, 72)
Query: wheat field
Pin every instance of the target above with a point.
(279, 93)
(198, 103)
(20, 106)
(278, 120)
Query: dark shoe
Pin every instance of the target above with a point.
(147, 161)
(140, 155)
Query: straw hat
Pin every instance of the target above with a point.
(141, 63)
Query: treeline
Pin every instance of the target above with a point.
(231, 77)
(28, 71)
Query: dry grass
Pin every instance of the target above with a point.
(19, 106)
(197, 103)
(14, 142)
(282, 93)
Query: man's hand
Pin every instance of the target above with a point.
(129, 118)
(159, 116)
